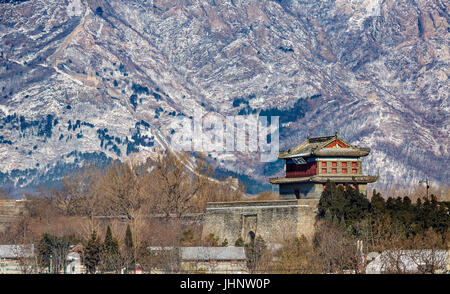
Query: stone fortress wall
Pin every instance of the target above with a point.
(268, 219)
(10, 211)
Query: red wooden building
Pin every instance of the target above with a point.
(315, 161)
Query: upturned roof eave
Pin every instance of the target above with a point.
(287, 155)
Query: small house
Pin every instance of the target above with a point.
(218, 260)
(408, 261)
(12, 257)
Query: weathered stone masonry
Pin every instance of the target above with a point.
(231, 220)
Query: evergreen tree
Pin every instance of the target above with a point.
(254, 251)
(99, 11)
(326, 198)
(425, 214)
(353, 213)
(398, 203)
(377, 204)
(405, 214)
(212, 240)
(187, 239)
(45, 251)
(332, 203)
(128, 238)
(356, 205)
(129, 249)
(343, 206)
(390, 208)
(407, 204)
(110, 252)
(110, 245)
(239, 242)
(419, 204)
(224, 243)
(439, 216)
(91, 254)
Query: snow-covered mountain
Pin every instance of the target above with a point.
(94, 80)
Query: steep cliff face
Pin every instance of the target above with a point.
(94, 80)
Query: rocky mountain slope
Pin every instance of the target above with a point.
(94, 80)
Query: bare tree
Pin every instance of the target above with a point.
(163, 259)
(26, 258)
(79, 193)
(395, 258)
(177, 183)
(296, 256)
(5, 195)
(430, 254)
(336, 251)
(121, 188)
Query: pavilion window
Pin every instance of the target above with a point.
(324, 164)
(344, 164)
(334, 170)
(324, 170)
(344, 170)
(354, 164)
(334, 164)
(354, 171)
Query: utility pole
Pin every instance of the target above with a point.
(427, 181)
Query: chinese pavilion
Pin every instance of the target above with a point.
(315, 161)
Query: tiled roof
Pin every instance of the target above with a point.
(212, 253)
(408, 261)
(15, 251)
(315, 146)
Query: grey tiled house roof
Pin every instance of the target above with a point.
(212, 253)
(15, 251)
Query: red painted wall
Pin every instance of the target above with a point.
(302, 170)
